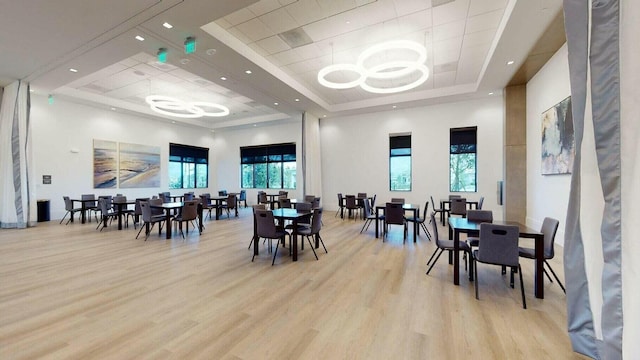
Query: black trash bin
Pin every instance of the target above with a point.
(43, 210)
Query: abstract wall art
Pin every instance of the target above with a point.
(139, 166)
(105, 166)
(557, 139)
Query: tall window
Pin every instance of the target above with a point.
(462, 159)
(269, 166)
(188, 167)
(400, 162)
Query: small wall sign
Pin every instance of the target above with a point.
(46, 179)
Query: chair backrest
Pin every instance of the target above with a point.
(498, 244)
(104, 204)
(303, 207)
(165, 197)
(315, 203)
(231, 201)
(282, 192)
(189, 210)
(362, 195)
(285, 203)
(339, 199)
(351, 201)
(243, 195)
(424, 212)
(68, 204)
(316, 221)
(373, 202)
(397, 200)
(222, 193)
(480, 202)
(137, 209)
(119, 199)
(145, 209)
(89, 197)
(367, 207)
(262, 197)
(480, 215)
(265, 224)
(459, 206)
(434, 230)
(187, 197)
(205, 199)
(433, 203)
(454, 196)
(394, 213)
(156, 211)
(309, 198)
(549, 229)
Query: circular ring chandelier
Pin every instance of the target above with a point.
(385, 71)
(171, 106)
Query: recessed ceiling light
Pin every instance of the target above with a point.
(173, 122)
(255, 125)
(139, 38)
(113, 109)
(167, 25)
(490, 93)
(184, 61)
(348, 22)
(73, 70)
(30, 90)
(223, 78)
(297, 99)
(248, 72)
(510, 62)
(276, 104)
(394, 106)
(211, 52)
(213, 130)
(324, 115)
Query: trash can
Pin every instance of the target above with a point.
(43, 210)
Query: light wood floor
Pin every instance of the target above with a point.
(70, 292)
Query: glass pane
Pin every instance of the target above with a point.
(289, 175)
(201, 175)
(462, 169)
(188, 175)
(403, 151)
(247, 176)
(260, 175)
(400, 173)
(275, 175)
(175, 175)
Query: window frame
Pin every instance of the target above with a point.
(187, 155)
(463, 140)
(400, 142)
(281, 154)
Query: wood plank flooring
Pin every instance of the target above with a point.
(71, 292)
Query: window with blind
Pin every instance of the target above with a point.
(188, 167)
(400, 162)
(268, 166)
(463, 160)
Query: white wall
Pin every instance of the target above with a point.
(355, 151)
(63, 126)
(547, 195)
(226, 155)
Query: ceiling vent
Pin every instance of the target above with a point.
(201, 81)
(446, 67)
(295, 38)
(435, 3)
(162, 66)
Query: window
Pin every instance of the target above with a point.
(268, 166)
(400, 162)
(462, 159)
(188, 167)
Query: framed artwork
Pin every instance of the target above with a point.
(557, 139)
(139, 166)
(105, 164)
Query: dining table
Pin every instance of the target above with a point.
(218, 201)
(168, 207)
(414, 208)
(459, 225)
(83, 206)
(121, 207)
(359, 200)
(446, 204)
(293, 215)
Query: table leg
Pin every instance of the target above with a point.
(294, 240)
(377, 222)
(415, 225)
(456, 257)
(119, 217)
(168, 223)
(84, 210)
(538, 277)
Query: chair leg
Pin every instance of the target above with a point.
(322, 242)
(432, 255)
(141, 227)
(436, 260)
(524, 301)
(275, 253)
(65, 215)
(555, 276)
(426, 230)
(366, 222)
(311, 246)
(252, 240)
(475, 269)
(146, 233)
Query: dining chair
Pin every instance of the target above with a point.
(370, 216)
(262, 198)
(315, 203)
(394, 215)
(397, 200)
(125, 211)
(137, 211)
(90, 207)
(421, 220)
(314, 230)
(148, 218)
(230, 204)
(340, 205)
(498, 246)
(458, 206)
(205, 200)
(266, 228)
(253, 210)
(243, 198)
(106, 213)
(360, 200)
(187, 197)
(309, 198)
(478, 216)
(351, 205)
(188, 213)
(480, 202)
(68, 205)
(549, 229)
(443, 244)
(439, 210)
(222, 193)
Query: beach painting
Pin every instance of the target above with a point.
(139, 166)
(105, 165)
(557, 139)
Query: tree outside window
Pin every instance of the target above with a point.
(268, 166)
(400, 162)
(463, 160)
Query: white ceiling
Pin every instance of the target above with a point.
(468, 43)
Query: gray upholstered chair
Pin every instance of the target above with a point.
(313, 230)
(394, 215)
(442, 244)
(106, 213)
(478, 216)
(439, 210)
(68, 205)
(370, 216)
(340, 205)
(351, 205)
(188, 213)
(266, 228)
(148, 218)
(549, 229)
(458, 206)
(499, 246)
(421, 220)
(397, 200)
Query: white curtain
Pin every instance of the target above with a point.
(18, 207)
(312, 163)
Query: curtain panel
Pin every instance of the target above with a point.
(311, 156)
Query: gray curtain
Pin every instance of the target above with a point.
(18, 205)
(600, 59)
